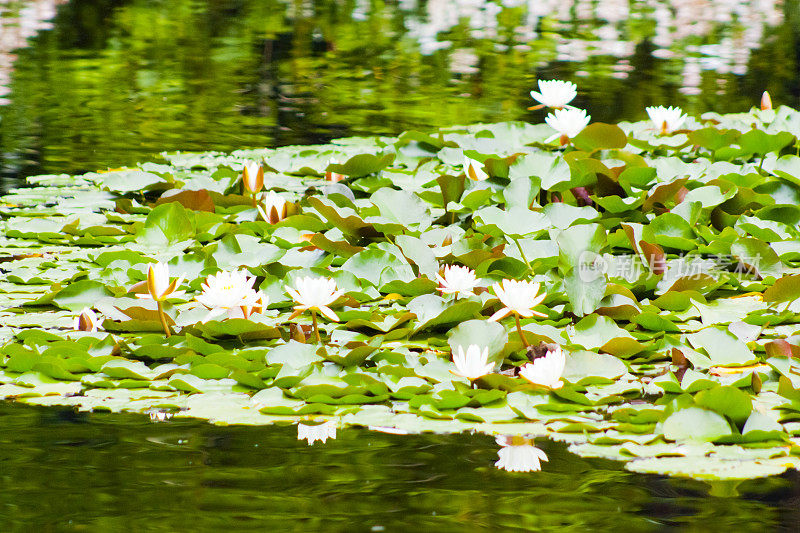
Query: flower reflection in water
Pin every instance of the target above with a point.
(20, 21)
(518, 454)
(316, 432)
(160, 416)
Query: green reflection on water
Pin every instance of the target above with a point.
(103, 472)
(117, 81)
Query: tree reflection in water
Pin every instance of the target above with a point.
(115, 82)
(64, 470)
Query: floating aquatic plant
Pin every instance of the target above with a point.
(554, 93)
(457, 280)
(471, 363)
(518, 298)
(159, 288)
(652, 277)
(546, 370)
(315, 295)
(230, 293)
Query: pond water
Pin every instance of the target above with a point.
(108, 83)
(117, 81)
(67, 471)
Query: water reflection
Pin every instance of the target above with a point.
(65, 471)
(160, 416)
(316, 432)
(115, 82)
(518, 454)
(578, 30)
(19, 21)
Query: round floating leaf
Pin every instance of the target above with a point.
(726, 400)
(432, 311)
(785, 289)
(584, 365)
(80, 294)
(403, 207)
(760, 142)
(722, 347)
(708, 468)
(713, 138)
(125, 181)
(361, 165)
(123, 369)
(482, 333)
(600, 136)
(166, 225)
(695, 424)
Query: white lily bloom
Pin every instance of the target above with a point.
(667, 119)
(458, 280)
(546, 370)
(253, 177)
(474, 170)
(567, 122)
(318, 432)
(315, 294)
(229, 292)
(159, 287)
(519, 297)
(519, 457)
(86, 321)
(274, 209)
(473, 363)
(555, 93)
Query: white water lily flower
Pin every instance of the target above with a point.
(315, 294)
(318, 432)
(519, 457)
(555, 93)
(667, 119)
(518, 297)
(473, 363)
(229, 292)
(567, 122)
(253, 177)
(159, 287)
(86, 321)
(274, 209)
(474, 170)
(459, 280)
(546, 370)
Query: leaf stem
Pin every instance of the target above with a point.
(530, 268)
(316, 327)
(521, 335)
(163, 318)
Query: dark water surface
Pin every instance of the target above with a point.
(117, 81)
(64, 471)
(114, 82)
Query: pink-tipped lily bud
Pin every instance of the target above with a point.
(766, 102)
(253, 177)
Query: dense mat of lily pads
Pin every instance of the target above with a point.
(666, 263)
